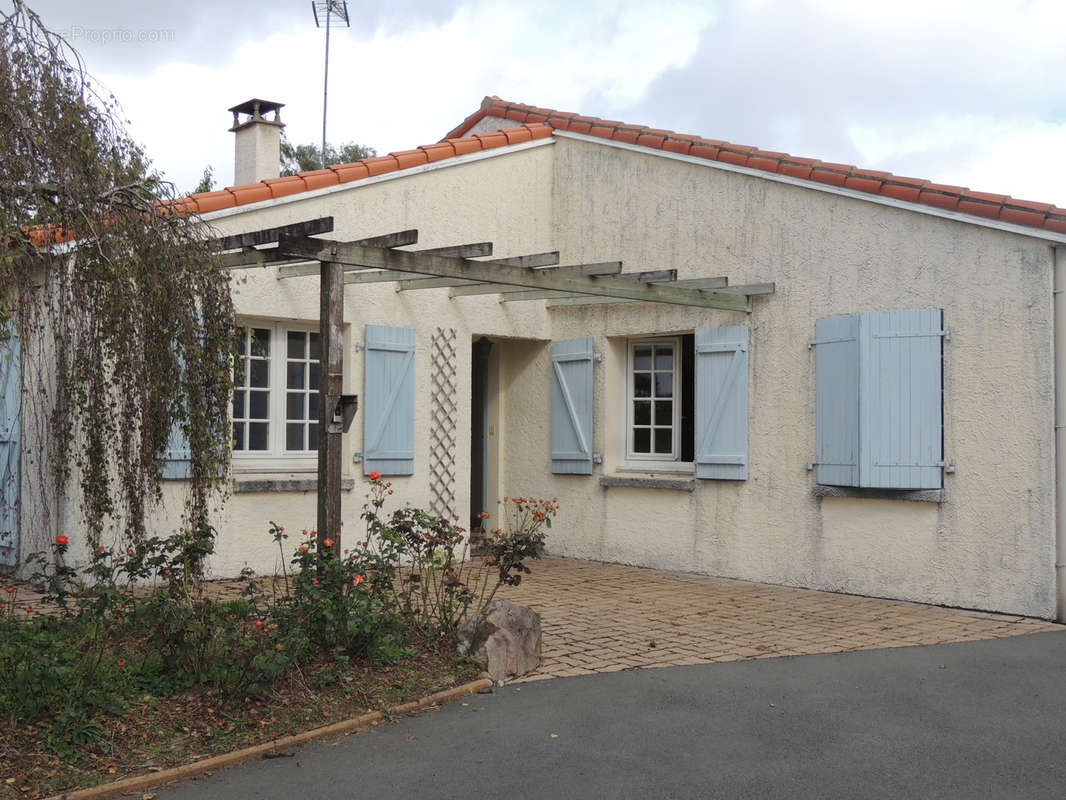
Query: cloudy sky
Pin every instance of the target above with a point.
(966, 92)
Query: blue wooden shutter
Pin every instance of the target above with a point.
(389, 401)
(178, 455)
(572, 403)
(722, 403)
(900, 353)
(836, 343)
(10, 406)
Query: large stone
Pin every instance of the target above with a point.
(504, 641)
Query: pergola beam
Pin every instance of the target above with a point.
(310, 227)
(467, 270)
(396, 239)
(718, 284)
(525, 262)
(648, 276)
(603, 268)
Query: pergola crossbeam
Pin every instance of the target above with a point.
(530, 261)
(311, 227)
(719, 284)
(497, 272)
(602, 268)
(396, 239)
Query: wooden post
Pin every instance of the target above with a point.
(330, 386)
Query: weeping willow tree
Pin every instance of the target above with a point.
(125, 318)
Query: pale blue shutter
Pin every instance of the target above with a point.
(836, 343)
(572, 403)
(178, 455)
(10, 406)
(177, 463)
(722, 403)
(389, 401)
(900, 353)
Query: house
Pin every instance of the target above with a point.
(871, 409)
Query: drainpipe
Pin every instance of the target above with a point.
(1058, 261)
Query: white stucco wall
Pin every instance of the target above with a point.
(989, 544)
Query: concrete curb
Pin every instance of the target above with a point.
(186, 771)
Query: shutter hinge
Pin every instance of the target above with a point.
(813, 342)
(597, 458)
(811, 465)
(597, 357)
(359, 346)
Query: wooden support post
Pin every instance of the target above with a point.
(330, 386)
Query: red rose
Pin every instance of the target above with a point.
(62, 541)
(375, 475)
(328, 543)
(357, 580)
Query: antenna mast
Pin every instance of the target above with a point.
(325, 12)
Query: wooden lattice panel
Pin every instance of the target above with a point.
(443, 408)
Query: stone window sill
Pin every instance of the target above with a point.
(648, 481)
(247, 484)
(912, 495)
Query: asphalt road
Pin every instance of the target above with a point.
(971, 720)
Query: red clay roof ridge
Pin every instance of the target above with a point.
(914, 190)
(335, 174)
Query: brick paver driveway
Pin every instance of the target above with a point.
(606, 617)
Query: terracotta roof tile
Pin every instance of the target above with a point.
(381, 164)
(914, 190)
(316, 179)
(435, 152)
(409, 158)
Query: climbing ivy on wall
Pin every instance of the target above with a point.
(125, 317)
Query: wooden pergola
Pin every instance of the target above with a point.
(297, 252)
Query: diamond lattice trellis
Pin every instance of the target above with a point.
(443, 422)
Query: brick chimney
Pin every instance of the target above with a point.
(257, 141)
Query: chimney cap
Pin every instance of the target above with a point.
(255, 109)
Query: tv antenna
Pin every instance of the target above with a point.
(326, 11)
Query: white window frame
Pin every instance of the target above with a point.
(656, 462)
(277, 458)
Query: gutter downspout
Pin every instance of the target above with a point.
(1058, 262)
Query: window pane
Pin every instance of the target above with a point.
(259, 407)
(295, 378)
(641, 440)
(641, 384)
(664, 384)
(258, 434)
(664, 357)
(240, 341)
(294, 437)
(261, 342)
(315, 350)
(312, 406)
(313, 370)
(297, 344)
(642, 412)
(240, 370)
(294, 406)
(641, 358)
(238, 404)
(663, 440)
(664, 413)
(312, 436)
(238, 435)
(260, 374)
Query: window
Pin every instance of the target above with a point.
(275, 394)
(879, 404)
(686, 403)
(659, 399)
